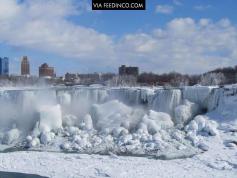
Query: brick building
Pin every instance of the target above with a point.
(46, 71)
(25, 66)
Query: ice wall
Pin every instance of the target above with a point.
(23, 107)
(140, 121)
(166, 100)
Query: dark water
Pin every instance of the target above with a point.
(18, 175)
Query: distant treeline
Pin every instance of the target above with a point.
(220, 76)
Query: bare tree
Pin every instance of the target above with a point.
(124, 80)
(212, 79)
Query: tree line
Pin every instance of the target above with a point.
(219, 76)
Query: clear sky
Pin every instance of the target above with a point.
(188, 36)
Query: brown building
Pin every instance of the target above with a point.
(25, 66)
(46, 71)
(123, 70)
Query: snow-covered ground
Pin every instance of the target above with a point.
(219, 161)
(186, 132)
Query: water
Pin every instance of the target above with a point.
(18, 175)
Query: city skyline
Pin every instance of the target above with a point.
(74, 38)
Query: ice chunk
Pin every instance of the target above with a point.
(191, 135)
(65, 146)
(50, 118)
(70, 120)
(73, 130)
(46, 137)
(33, 142)
(110, 114)
(184, 113)
(202, 124)
(211, 129)
(120, 130)
(156, 121)
(88, 122)
(11, 136)
(177, 135)
(192, 126)
(203, 146)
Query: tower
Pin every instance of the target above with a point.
(25, 66)
(4, 66)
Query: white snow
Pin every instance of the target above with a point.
(219, 161)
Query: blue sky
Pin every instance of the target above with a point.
(188, 36)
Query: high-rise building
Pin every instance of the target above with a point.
(4, 66)
(25, 66)
(46, 71)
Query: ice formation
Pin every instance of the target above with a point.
(139, 121)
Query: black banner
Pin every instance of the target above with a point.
(118, 4)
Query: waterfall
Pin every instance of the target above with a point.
(166, 100)
(23, 105)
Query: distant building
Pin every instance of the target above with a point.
(73, 78)
(89, 78)
(124, 70)
(4, 66)
(25, 66)
(107, 76)
(46, 71)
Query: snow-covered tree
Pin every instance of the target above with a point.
(212, 79)
(125, 80)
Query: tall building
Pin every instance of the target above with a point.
(25, 66)
(124, 70)
(4, 66)
(46, 71)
